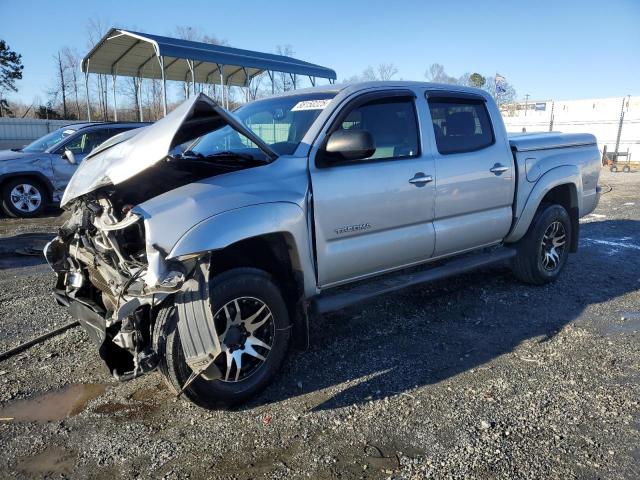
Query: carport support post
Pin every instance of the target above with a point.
(138, 85)
(247, 81)
(86, 86)
(224, 104)
(164, 86)
(115, 102)
(272, 77)
(193, 78)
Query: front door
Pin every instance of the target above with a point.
(375, 214)
(475, 174)
(80, 144)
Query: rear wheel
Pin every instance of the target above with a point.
(253, 328)
(543, 251)
(23, 197)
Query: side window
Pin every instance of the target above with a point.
(460, 125)
(85, 142)
(392, 124)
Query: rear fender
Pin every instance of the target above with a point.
(567, 174)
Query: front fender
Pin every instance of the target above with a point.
(563, 175)
(231, 226)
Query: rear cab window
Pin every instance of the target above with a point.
(460, 124)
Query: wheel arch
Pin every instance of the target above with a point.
(561, 185)
(39, 176)
(272, 237)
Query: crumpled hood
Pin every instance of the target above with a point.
(128, 154)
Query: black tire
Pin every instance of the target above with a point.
(34, 186)
(529, 264)
(626, 169)
(239, 282)
(613, 168)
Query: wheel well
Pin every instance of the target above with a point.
(48, 189)
(276, 254)
(567, 196)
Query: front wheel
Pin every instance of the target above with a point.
(23, 198)
(253, 328)
(542, 253)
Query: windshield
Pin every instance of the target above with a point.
(280, 122)
(49, 140)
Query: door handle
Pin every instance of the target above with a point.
(420, 179)
(498, 169)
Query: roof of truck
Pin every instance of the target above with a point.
(335, 88)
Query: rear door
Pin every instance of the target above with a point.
(375, 214)
(475, 178)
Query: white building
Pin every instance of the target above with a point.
(599, 116)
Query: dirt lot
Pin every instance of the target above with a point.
(477, 377)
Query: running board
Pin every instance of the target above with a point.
(330, 302)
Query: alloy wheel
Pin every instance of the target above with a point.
(25, 198)
(248, 332)
(553, 246)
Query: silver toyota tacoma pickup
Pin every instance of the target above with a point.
(209, 263)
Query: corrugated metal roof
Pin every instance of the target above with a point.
(135, 54)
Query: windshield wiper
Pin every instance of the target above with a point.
(191, 153)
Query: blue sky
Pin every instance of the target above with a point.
(547, 49)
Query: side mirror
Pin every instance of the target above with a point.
(350, 145)
(69, 156)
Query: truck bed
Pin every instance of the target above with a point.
(527, 142)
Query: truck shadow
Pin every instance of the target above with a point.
(426, 335)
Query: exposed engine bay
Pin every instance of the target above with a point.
(111, 273)
(107, 269)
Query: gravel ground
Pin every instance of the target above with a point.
(476, 377)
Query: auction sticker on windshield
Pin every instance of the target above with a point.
(311, 105)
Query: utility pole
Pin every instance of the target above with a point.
(526, 104)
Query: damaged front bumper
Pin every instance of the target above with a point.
(113, 281)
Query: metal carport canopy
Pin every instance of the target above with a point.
(142, 55)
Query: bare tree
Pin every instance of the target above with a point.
(71, 58)
(383, 71)
(187, 32)
(95, 32)
(283, 81)
(254, 86)
(386, 71)
(131, 92)
(435, 73)
(465, 79)
(61, 86)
